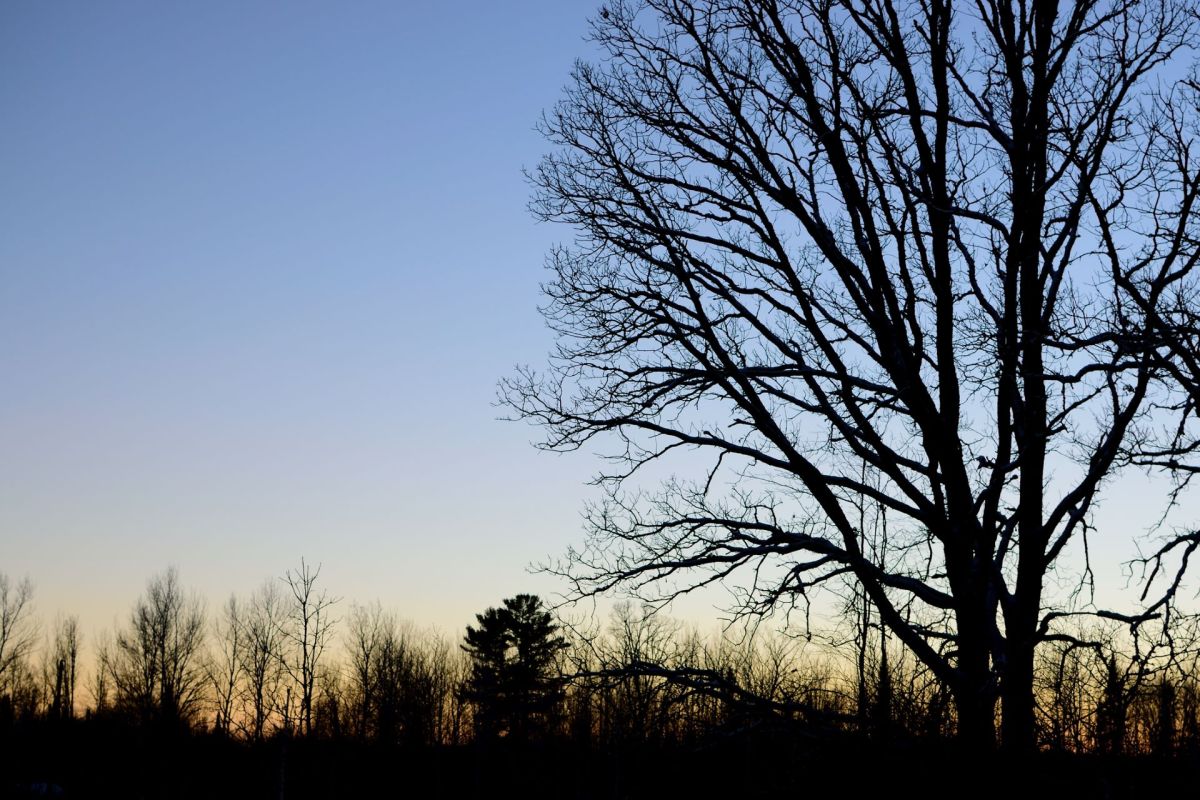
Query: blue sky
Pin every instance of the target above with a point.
(261, 266)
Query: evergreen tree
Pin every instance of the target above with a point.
(513, 684)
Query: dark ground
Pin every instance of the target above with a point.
(82, 759)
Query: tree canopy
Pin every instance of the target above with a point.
(918, 279)
(513, 681)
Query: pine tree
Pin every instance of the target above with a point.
(513, 683)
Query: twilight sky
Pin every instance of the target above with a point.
(261, 266)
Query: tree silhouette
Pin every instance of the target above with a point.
(224, 664)
(60, 670)
(935, 259)
(513, 682)
(18, 635)
(308, 630)
(262, 656)
(155, 661)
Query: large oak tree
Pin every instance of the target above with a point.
(930, 263)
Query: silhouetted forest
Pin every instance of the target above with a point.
(291, 692)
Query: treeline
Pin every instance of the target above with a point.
(645, 678)
(286, 660)
(289, 662)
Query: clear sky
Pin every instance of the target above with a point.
(261, 266)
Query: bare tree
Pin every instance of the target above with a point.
(637, 704)
(449, 669)
(410, 687)
(100, 683)
(17, 632)
(224, 666)
(932, 255)
(60, 668)
(262, 656)
(329, 705)
(368, 628)
(309, 628)
(155, 662)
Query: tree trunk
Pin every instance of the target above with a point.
(974, 694)
(976, 718)
(1018, 731)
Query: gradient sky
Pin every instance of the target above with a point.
(261, 266)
